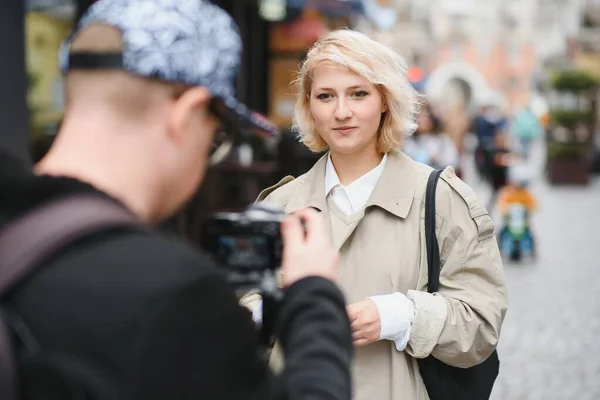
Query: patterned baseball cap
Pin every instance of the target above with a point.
(191, 42)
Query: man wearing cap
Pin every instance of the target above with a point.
(128, 314)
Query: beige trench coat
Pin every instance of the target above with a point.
(385, 253)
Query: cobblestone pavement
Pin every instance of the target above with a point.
(550, 343)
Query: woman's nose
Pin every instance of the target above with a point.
(342, 111)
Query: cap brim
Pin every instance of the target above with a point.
(245, 121)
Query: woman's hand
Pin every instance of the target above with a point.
(366, 322)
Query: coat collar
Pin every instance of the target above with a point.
(394, 191)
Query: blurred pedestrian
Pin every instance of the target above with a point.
(526, 128)
(429, 144)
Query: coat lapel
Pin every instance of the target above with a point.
(310, 192)
(394, 191)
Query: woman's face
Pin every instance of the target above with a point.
(346, 109)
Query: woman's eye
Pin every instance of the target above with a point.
(360, 93)
(323, 96)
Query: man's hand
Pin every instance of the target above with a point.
(366, 322)
(307, 255)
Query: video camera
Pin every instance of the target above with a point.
(249, 246)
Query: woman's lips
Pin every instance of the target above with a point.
(344, 130)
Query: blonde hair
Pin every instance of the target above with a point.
(380, 65)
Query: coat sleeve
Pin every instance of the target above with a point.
(460, 325)
(315, 335)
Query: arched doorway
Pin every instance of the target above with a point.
(457, 82)
(457, 90)
(458, 93)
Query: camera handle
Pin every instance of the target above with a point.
(272, 296)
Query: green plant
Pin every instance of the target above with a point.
(573, 81)
(570, 118)
(570, 150)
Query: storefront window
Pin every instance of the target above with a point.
(47, 23)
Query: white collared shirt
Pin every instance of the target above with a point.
(353, 197)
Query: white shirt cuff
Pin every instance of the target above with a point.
(257, 314)
(397, 313)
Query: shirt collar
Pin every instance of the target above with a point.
(364, 184)
(331, 177)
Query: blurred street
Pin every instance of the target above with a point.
(549, 345)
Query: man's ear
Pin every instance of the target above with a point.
(192, 104)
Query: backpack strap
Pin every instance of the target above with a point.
(433, 251)
(28, 241)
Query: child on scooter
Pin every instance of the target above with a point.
(517, 203)
(517, 192)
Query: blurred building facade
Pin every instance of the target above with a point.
(274, 44)
(473, 51)
(589, 39)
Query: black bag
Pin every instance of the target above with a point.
(442, 381)
(25, 244)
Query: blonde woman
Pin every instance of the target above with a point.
(356, 106)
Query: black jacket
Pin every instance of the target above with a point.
(134, 315)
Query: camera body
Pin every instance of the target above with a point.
(247, 244)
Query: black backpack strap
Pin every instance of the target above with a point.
(28, 241)
(32, 238)
(442, 381)
(433, 251)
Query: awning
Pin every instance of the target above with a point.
(329, 7)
